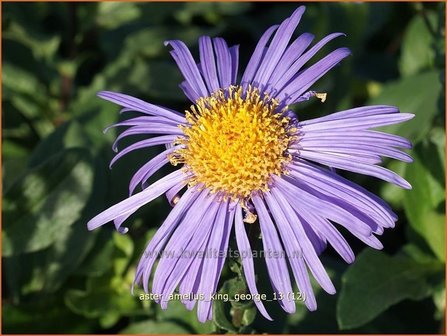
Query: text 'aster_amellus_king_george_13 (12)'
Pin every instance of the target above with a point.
(243, 157)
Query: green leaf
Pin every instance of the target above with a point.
(44, 316)
(177, 312)
(417, 254)
(42, 46)
(377, 281)
(14, 162)
(221, 309)
(439, 301)
(233, 313)
(323, 320)
(416, 94)
(350, 19)
(105, 295)
(68, 135)
(108, 296)
(97, 262)
(437, 137)
(43, 204)
(145, 76)
(114, 14)
(154, 327)
(248, 316)
(123, 252)
(19, 80)
(45, 271)
(417, 46)
(221, 318)
(98, 115)
(426, 174)
(210, 11)
(28, 98)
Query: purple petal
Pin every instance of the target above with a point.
(318, 241)
(332, 184)
(234, 52)
(172, 254)
(139, 105)
(190, 283)
(326, 228)
(256, 57)
(119, 221)
(136, 201)
(189, 91)
(188, 67)
(284, 216)
(371, 241)
(309, 76)
(356, 229)
(211, 269)
(186, 204)
(356, 137)
(223, 58)
(292, 71)
(149, 168)
(277, 47)
(357, 112)
(334, 158)
(174, 192)
(187, 239)
(143, 121)
(357, 166)
(359, 148)
(161, 140)
(294, 251)
(245, 251)
(139, 130)
(228, 225)
(293, 52)
(326, 209)
(340, 203)
(276, 266)
(358, 123)
(208, 64)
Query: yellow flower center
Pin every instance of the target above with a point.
(234, 142)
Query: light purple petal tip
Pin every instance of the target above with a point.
(134, 202)
(139, 105)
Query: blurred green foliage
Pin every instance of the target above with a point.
(60, 278)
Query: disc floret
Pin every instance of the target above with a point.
(234, 141)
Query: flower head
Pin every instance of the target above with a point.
(244, 156)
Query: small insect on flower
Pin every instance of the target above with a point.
(243, 157)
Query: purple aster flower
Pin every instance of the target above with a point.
(243, 156)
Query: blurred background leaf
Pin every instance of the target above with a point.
(384, 281)
(40, 207)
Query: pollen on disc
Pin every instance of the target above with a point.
(234, 142)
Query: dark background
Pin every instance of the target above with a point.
(59, 278)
